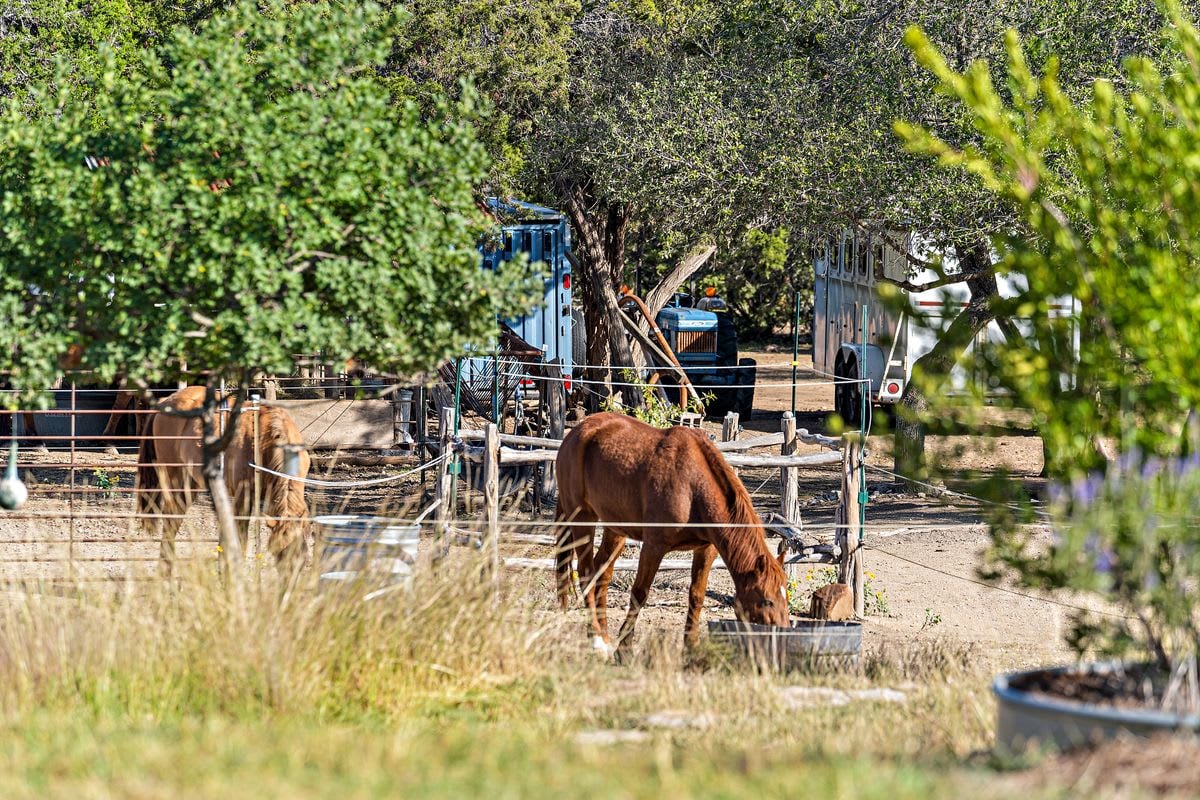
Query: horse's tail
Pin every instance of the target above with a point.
(284, 496)
(569, 476)
(146, 481)
(741, 507)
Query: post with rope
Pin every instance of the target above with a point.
(849, 521)
(491, 496)
(443, 495)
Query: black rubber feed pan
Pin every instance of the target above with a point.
(806, 643)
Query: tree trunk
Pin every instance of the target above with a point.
(600, 258)
(934, 367)
(216, 437)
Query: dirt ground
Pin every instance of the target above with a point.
(923, 552)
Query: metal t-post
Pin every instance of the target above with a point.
(862, 424)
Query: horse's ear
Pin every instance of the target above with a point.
(782, 557)
(760, 563)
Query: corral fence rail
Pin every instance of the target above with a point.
(847, 453)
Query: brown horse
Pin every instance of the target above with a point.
(169, 476)
(671, 490)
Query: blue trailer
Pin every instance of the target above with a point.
(532, 351)
(544, 236)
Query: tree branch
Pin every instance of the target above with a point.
(892, 243)
(657, 297)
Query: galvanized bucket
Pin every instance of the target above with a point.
(355, 547)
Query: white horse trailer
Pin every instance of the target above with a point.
(847, 272)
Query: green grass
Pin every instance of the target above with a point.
(450, 693)
(71, 755)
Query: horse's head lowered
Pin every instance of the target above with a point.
(763, 598)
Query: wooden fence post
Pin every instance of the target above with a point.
(256, 505)
(491, 494)
(729, 429)
(402, 418)
(443, 511)
(554, 402)
(850, 531)
(789, 487)
(789, 478)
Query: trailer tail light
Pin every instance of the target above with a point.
(527, 382)
(893, 388)
(567, 384)
(567, 281)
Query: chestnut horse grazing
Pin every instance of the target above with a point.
(671, 490)
(169, 477)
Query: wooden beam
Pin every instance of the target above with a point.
(814, 460)
(738, 445)
(508, 438)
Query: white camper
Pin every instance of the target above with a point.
(847, 272)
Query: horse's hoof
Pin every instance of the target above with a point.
(111, 451)
(602, 648)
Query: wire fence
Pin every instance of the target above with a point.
(83, 525)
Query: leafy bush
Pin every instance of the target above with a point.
(655, 409)
(1109, 189)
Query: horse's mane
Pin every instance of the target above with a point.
(743, 519)
(285, 498)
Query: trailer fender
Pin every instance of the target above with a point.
(854, 355)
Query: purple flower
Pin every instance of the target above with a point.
(1129, 459)
(1151, 468)
(1085, 489)
(1106, 559)
(1103, 557)
(1185, 466)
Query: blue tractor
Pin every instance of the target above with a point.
(703, 338)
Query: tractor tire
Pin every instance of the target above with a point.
(747, 375)
(724, 400)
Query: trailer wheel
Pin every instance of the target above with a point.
(847, 396)
(841, 403)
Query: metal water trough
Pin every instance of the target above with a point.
(806, 643)
(88, 424)
(355, 547)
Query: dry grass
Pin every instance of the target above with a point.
(451, 691)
